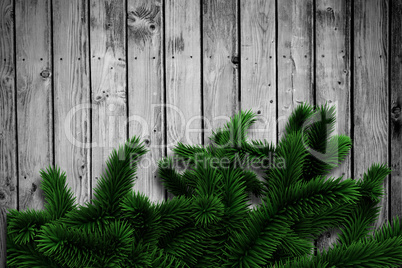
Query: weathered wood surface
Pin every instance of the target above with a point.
(183, 72)
(72, 94)
(220, 63)
(207, 76)
(295, 57)
(295, 54)
(371, 108)
(333, 77)
(8, 142)
(395, 109)
(145, 89)
(3, 237)
(258, 66)
(258, 69)
(108, 81)
(34, 98)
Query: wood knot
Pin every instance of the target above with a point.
(45, 73)
(328, 234)
(396, 112)
(131, 18)
(34, 187)
(7, 81)
(235, 59)
(330, 9)
(2, 196)
(98, 98)
(143, 23)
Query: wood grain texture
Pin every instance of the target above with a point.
(8, 142)
(258, 69)
(371, 90)
(183, 72)
(220, 63)
(145, 89)
(34, 98)
(396, 105)
(295, 57)
(3, 237)
(333, 76)
(72, 94)
(108, 80)
(258, 66)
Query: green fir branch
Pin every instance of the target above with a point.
(118, 178)
(59, 198)
(208, 223)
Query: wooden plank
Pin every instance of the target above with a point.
(145, 89)
(34, 98)
(3, 237)
(183, 72)
(72, 94)
(333, 76)
(295, 57)
(333, 65)
(8, 142)
(108, 80)
(396, 104)
(258, 69)
(258, 66)
(371, 108)
(220, 63)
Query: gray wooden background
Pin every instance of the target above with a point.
(79, 77)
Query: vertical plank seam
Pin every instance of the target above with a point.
(348, 46)
(17, 164)
(126, 59)
(238, 32)
(314, 52)
(89, 166)
(163, 81)
(352, 88)
(276, 71)
(389, 107)
(52, 81)
(202, 71)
